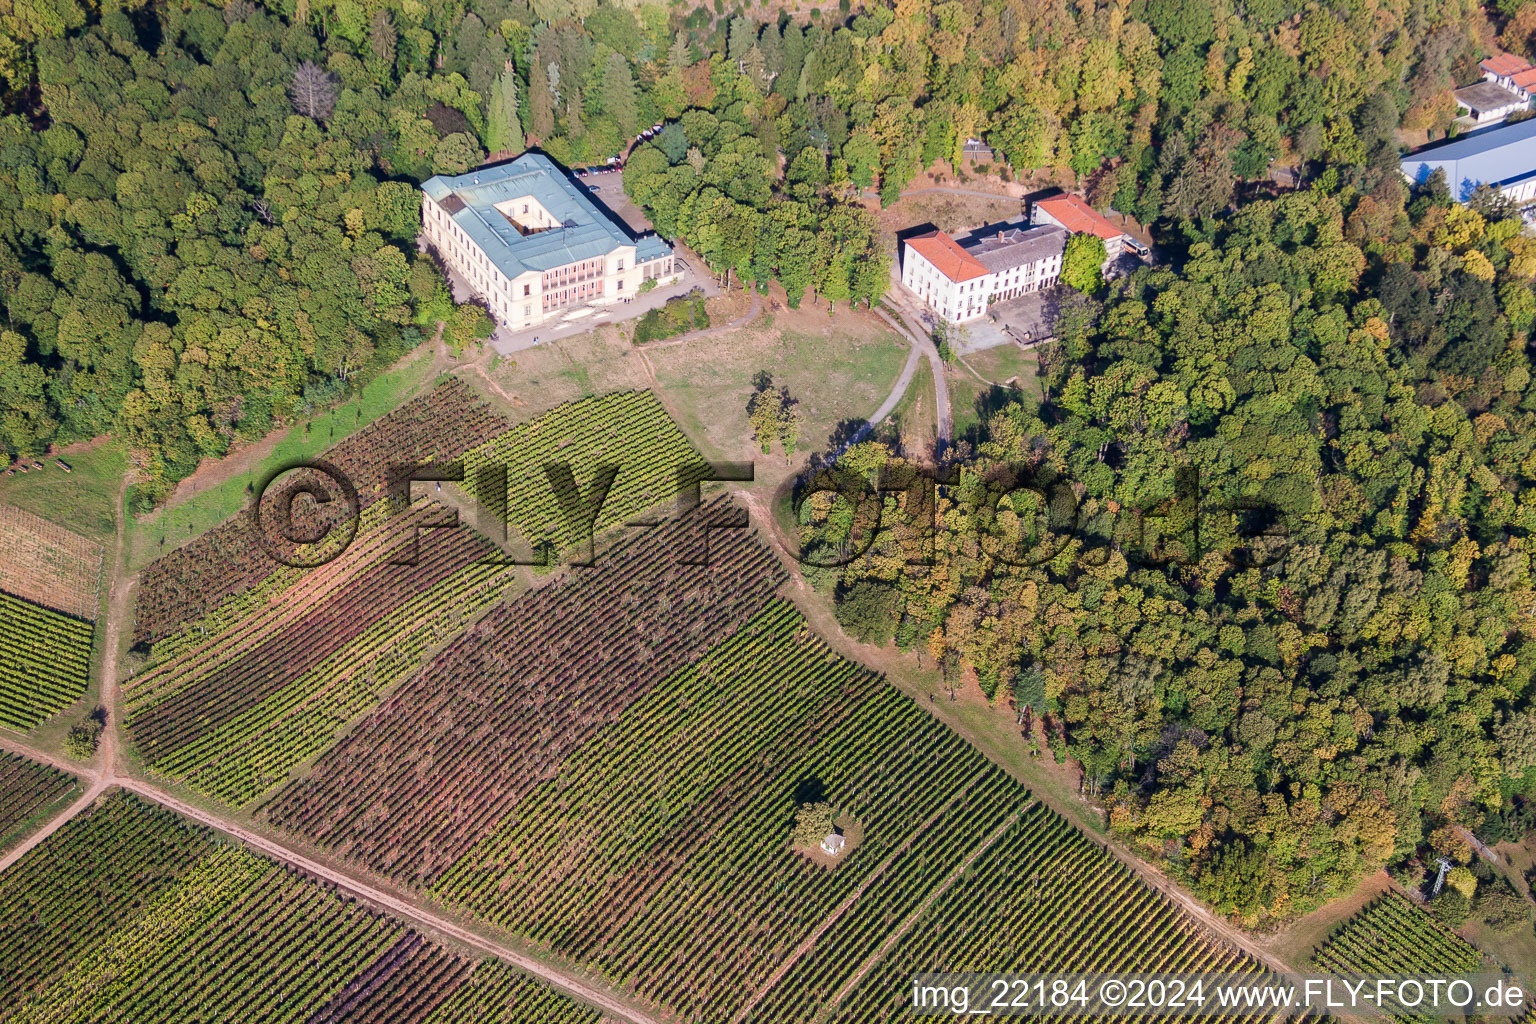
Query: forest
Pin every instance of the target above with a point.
(207, 213)
(1274, 708)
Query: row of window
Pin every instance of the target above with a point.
(926, 274)
(579, 293)
(575, 272)
(476, 267)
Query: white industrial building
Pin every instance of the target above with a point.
(1502, 158)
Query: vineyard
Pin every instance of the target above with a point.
(129, 913)
(235, 697)
(417, 982)
(1040, 897)
(659, 851)
(608, 766)
(47, 564)
(629, 431)
(195, 579)
(496, 994)
(28, 790)
(45, 661)
(93, 877)
(232, 707)
(438, 764)
(1393, 936)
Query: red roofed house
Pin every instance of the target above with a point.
(1071, 212)
(1501, 69)
(947, 277)
(958, 281)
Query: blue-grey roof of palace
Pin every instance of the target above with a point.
(586, 232)
(1497, 156)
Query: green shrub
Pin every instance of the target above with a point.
(80, 743)
(813, 823)
(679, 316)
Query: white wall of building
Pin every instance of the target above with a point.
(1522, 191)
(1030, 277)
(952, 300)
(955, 301)
(1485, 117)
(533, 297)
(1508, 82)
(962, 301)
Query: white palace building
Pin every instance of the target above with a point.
(529, 241)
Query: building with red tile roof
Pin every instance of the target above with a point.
(947, 257)
(1071, 212)
(1508, 86)
(958, 281)
(1503, 65)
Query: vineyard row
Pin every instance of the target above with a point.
(130, 913)
(45, 661)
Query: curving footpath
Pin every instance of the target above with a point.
(909, 327)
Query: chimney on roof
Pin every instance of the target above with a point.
(999, 237)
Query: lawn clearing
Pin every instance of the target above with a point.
(838, 368)
(914, 419)
(953, 213)
(535, 380)
(1009, 376)
(82, 500)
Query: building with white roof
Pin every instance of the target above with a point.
(1486, 103)
(533, 244)
(1502, 158)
